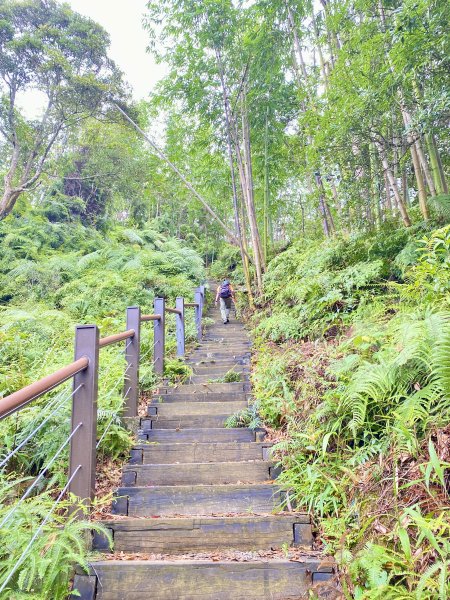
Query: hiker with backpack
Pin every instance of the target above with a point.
(225, 293)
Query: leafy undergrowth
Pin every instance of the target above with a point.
(352, 371)
(54, 275)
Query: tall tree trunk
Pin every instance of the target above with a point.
(231, 125)
(393, 185)
(436, 165)
(249, 175)
(420, 183)
(266, 188)
(239, 234)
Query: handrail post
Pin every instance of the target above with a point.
(159, 338)
(84, 416)
(132, 352)
(202, 290)
(179, 305)
(198, 312)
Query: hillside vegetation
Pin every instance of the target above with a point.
(56, 273)
(352, 374)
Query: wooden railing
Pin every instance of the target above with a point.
(84, 371)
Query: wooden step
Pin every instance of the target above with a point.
(197, 500)
(218, 370)
(211, 362)
(168, 410)
(199, 397)
(202, 580)
(185, 422)
(172, 536)
(215, 378)
(202, 388)
(197, 473)
(198, 452)
(217, 356)
(174, 436)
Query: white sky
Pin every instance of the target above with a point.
(123, 22)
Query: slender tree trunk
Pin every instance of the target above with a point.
(436, 165)
(231, 125)
(393, 185)
(420, 184)
(266, 188)
(249, 175)
(245, 265)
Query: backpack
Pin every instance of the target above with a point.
(225, 291)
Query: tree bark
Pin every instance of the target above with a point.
(436, 165)
(393, 185)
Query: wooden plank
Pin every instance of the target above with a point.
(208, 378)
(198, 397)
(199, 435)
(197, 473)
(174, 409)
(170, 536)
(227, 388)
(201, 452)
(201, 580)
(200, 499)
(188, 421)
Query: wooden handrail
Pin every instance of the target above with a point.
(191, 304)
(151, 318)
(22, 397)
(174, 311)
(116, 337)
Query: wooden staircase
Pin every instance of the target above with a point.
(198, 512)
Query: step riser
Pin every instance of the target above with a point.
(198, 435)
(220, 371)
(180, 397)
(174, 409)
(196, 474)
(224, 363)
(197, 500)
(213, 388)
(140, 580)
(186, 422)
(189, 453)
(171, 536)
(209, 378)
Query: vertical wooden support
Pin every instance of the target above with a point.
(132, 352)
(198, 313)
(159, 340)
(84, 416)
(203, 291)
(179, 305)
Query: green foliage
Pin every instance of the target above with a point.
(248, 417)
(360, 413)
(315, 291)
(53, 276)
(62, 543)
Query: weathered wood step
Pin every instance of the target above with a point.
(199, 397)
(176, 535)
(202, 580)
(197, 500)
(203, 388)
(199, 452)
(219, 370)
(185, 422)
(168, 410)
(218, 355)
(197, 473)
(173, 436)
(216, 378)
(227, 362)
